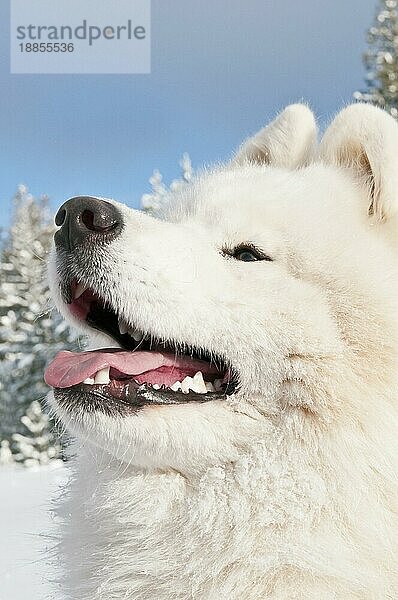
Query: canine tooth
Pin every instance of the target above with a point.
(80, 289)
(209, 386)
(218, 385)
(198, 385)
(186, 384)
(102, 376)
(176, 386)
(136, 335)
(123, 327)
(89, 381)
(156, 386)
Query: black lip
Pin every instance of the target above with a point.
(93, 398)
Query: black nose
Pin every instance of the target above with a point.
(86, 220)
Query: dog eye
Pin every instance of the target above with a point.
(246, 253)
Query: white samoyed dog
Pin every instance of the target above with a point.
(237, 423)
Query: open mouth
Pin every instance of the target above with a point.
(144, 371)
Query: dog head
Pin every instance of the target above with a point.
(262, 289)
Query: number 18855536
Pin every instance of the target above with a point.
(46, 47)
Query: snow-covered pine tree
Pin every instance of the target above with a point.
(381, 59)
(6, 456)
(152, 203)
(38, 445)
(29, 333)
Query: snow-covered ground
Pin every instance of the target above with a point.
(25, 496)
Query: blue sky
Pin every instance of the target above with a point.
(220, 70)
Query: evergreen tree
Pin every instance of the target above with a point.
(30, 334)
(38, 445)
(6, 456)
(381, 59)
(153, 202)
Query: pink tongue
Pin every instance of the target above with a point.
(71, 368)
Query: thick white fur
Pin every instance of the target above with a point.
(288, 490)
(289, 141)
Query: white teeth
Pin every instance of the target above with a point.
(156, 386)
(186, 384)
(218, 385)
(198, 384)
(89, 381)
(80, 289)
(136, 335)
(123, 327)
(102, 376)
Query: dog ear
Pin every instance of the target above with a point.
(288, 142)
(364, 139)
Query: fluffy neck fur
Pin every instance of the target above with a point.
(291, 519)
